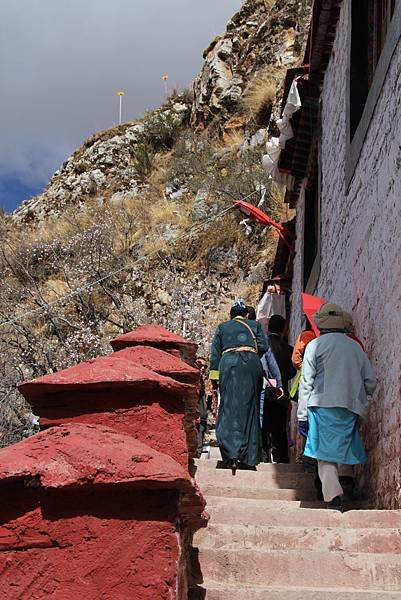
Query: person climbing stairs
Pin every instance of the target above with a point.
(269, 539)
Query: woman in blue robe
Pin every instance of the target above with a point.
(236, 366)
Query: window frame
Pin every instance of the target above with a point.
(310, 286)
(354, 147)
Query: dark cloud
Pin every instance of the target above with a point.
(63, 60)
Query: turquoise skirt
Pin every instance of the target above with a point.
(334, 437)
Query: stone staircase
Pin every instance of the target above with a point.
(269, 539)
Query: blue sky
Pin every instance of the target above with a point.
(62, 62)
(13, 190)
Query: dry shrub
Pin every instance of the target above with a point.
(258, 100)
(163, 212)
(131, 225)
(161, 130)
(222, 233)
(196, 250)
(143, 160)
(233, 138)
(226, 171)
(159, 177)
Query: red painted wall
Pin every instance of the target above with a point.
(63, 545)
(158, 337)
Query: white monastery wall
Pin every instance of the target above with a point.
(296, 309)
(361, 252)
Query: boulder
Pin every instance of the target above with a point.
(201, 207)
(119, 198)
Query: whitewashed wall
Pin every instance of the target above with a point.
(361, 252)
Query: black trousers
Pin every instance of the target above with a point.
(201, 430)
(274, 428)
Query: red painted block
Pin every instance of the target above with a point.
(172, 366)
(161, 362)
(114, 392)
(158, 337)
(86, 510)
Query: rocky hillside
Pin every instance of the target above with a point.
(243, 67)
(136, 225)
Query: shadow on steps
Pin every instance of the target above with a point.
(196, 591)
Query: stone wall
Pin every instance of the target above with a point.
(360, 245)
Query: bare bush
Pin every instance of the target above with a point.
(257, 101)
(225, 171)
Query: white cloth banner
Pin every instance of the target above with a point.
(275, 145)
(272, 303)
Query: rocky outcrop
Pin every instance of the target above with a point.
(268, 36)
(104, 167)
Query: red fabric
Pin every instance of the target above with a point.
(357, 340)
(310, 306)
(253, 212)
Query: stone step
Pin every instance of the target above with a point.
(324, 539)
(268, 497)
(298, 568)
(262, 493)
(252, 479)
(274, 468)
(214, 453)
(211, 590)
(242, 511)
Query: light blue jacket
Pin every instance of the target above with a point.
(335, 373)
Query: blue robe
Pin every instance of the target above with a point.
(333, 436)
(240, 382)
